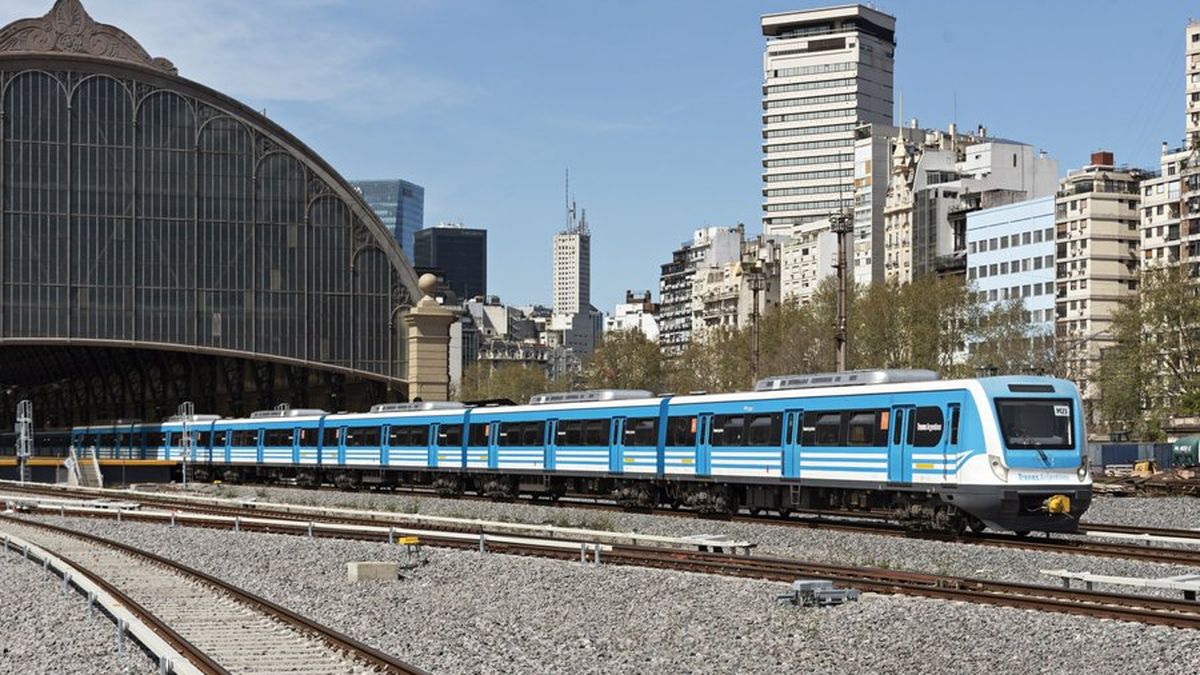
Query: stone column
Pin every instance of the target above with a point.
(427, 329)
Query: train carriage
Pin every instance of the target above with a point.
(1004, 451)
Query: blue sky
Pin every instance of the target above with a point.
(654, 106)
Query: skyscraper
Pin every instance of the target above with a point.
(573, 267)
(825, 71)
(459, 253)
(399, 204)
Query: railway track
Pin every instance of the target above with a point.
(1144, 552)
(1122, 607)
(1135, 608)
(218, 627)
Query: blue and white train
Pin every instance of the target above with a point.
(1006, 452)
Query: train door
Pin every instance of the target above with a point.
(900, 445)
(616, 445)
(549, 460)
(431, 444)
(703, 447)
(793, 425)
(950, 444)
(493, 449)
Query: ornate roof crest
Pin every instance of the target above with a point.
(68, 29)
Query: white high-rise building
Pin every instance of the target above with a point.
(573, 268)
(825, 72)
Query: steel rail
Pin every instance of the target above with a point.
(1129, 551)
(200, 660)
(358, 650)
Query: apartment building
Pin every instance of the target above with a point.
(825, 72)
(1097, 222)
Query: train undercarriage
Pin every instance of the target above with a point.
(925, 508)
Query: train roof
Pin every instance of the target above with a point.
(1011, 385)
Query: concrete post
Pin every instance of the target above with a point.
(427, 329)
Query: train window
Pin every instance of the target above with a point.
(105, 440)
(681, 431)
(277, 438)
(595, 433)
(586, 433)
(331, 437)
(88, 440)
(126, 440)
(534, 433)
(524, 434)
(641, 432)
(218, 439)
(955, 413)
(764, 430)
(822, 428)
(203, 439)
(898, 427)
(308, 437)
(860, 428)
(154, 439)
(727, 430)
(410, 436)
(478, 436)
(570, 432)
(450, 435)
(245, 438)
(1036, 424)
(510, 434)
(362, 437)
(929, 424)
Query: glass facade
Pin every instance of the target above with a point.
(400, 206)
(459, 253)
(147, 210)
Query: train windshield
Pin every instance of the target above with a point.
(1036, 424)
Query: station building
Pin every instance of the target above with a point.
(162, 242)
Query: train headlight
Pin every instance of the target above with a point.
(999, 469)
(1085, 464)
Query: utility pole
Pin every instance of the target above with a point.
(24, 439)
(840, 223)
(756, 282)
(186, 412)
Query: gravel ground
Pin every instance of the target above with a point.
(824, 546)
(1175, 512)
(466, 613)
(46, 631)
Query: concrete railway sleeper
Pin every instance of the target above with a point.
(219, 627)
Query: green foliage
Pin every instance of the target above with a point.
(1005, 342)
(626, 360)
(513, 381)
(1152, 372)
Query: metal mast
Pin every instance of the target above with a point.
(186, 412)
(24, 438)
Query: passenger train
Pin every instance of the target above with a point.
(1005, 452)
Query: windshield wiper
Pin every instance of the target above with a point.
(1043, 455)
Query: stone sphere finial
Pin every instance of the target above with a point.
(428, 284)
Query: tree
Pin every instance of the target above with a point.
(514, 381)
(626, 360)
(1152, 372)
(1004, 340)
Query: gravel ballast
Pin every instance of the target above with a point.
(47, 631)
(820, 546)
(1173, 512)
(471, 613)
